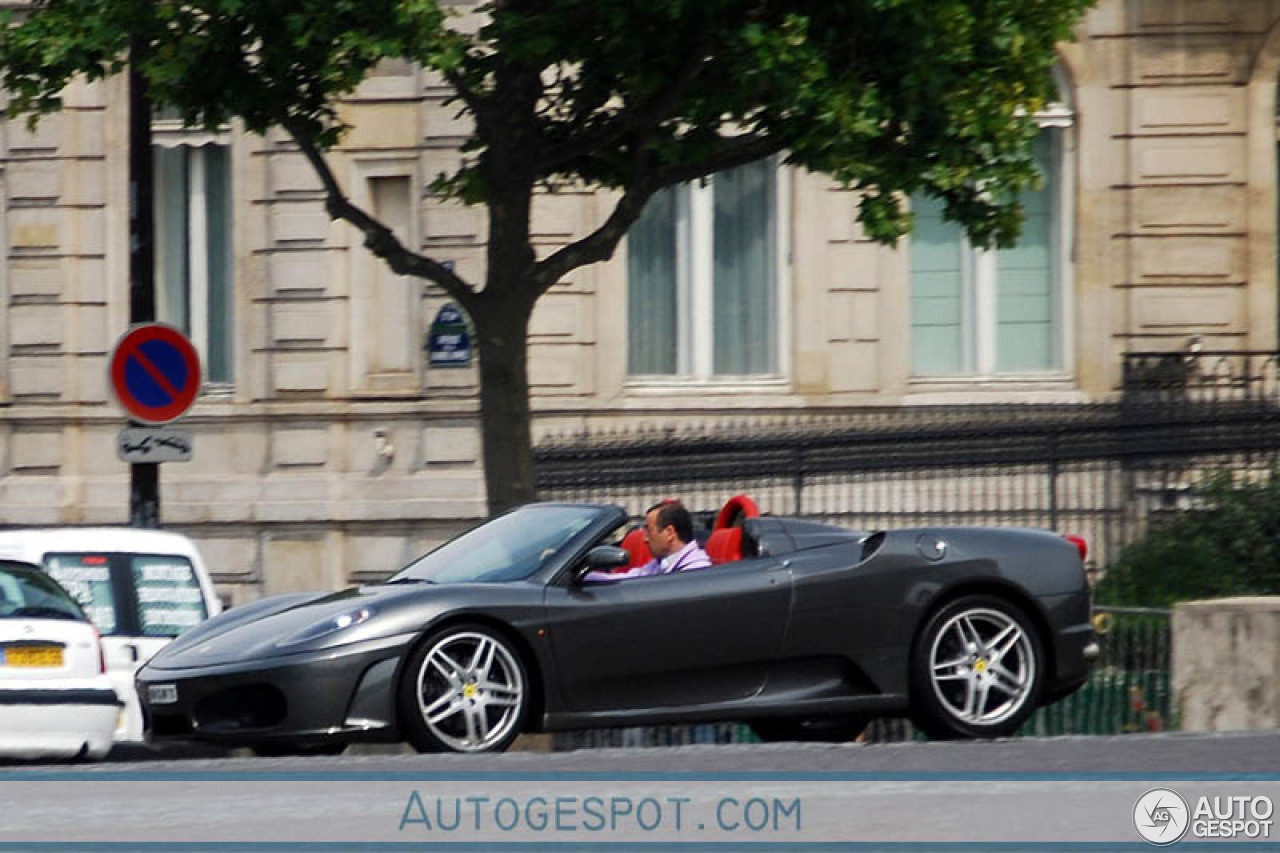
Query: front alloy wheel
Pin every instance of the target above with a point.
(464, 690)
(977, 670)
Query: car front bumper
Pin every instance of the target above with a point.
(39, 721)
(344, 693)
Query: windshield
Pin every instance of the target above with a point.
(28, 593)
(510, 547)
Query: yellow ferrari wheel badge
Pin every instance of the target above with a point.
(469, 691)
(980, 665)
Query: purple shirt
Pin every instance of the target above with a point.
(691, 556)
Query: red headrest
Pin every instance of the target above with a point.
(735, 509)
(725, 545)
(637, 546)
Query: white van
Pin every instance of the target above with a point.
(140, 587)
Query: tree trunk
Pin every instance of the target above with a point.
(502, 332)
(501, 313)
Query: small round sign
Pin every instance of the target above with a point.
(154, 373)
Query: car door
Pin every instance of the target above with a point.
(690, 638)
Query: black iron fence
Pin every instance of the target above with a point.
(1213, 376)
(1129, 686)
(1103, 471)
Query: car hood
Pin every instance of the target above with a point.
(279, 625)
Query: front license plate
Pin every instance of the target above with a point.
(33, 656)
(162, 694)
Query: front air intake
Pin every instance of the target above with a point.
(251, 706)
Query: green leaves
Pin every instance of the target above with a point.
(266, 62)
(1226, 543)
(888, 96)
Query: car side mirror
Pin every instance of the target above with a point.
(605, 557)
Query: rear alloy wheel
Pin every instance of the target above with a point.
(463, 690)
(816, 730)
(977, 670)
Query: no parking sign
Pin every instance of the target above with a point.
(155, 373)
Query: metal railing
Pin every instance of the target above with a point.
(1214, 376)
(1100, 471)
(1129, 685)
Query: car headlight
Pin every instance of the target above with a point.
(332, 625)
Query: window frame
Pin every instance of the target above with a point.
(695, 287)
(170, 133)
(980, 282)
(126, 599)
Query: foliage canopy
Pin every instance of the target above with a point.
(890, 96)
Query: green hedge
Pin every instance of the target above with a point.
(1227, 543)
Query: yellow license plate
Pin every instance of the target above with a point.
(33, 656)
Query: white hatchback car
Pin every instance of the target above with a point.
(140, 587)
(56, 698)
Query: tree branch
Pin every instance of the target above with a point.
(733, 152)
(466, 92)
(640, 118)
(378, 238)
(600, 244)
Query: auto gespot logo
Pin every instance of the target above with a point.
(1163, 817)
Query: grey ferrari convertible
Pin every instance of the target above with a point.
(803, 630)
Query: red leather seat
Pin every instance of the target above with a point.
(725, 545)
(735, 510)
(635, 544)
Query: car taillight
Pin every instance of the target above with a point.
(1081, 545)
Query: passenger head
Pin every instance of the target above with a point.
(668, 527)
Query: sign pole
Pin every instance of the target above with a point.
(144, 477)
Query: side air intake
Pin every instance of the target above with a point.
(872, 544)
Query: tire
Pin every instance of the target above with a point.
(817, 730)
(977, 670)
(284, 748)
(464, 689)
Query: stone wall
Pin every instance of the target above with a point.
(1226, 663)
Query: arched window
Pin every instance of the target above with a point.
(1001, 311)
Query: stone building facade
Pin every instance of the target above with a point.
(328, 450)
